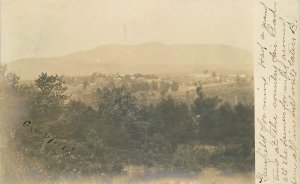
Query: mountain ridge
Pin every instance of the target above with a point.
(151, 57)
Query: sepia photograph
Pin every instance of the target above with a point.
(127, 92)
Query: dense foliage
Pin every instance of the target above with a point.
(67, 136)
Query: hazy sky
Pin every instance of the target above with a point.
(42, 28)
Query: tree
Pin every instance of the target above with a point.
(51, 86)
(174, 118)
(244, 117)
(3, 69)
(9, 81)
(2, 79)
(205, 113)
(47, 97)
(204, 104)
(117, 105)
(13, 81)
(78, 118)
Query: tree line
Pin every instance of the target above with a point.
(121, 131)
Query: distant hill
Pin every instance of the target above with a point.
(156, 58)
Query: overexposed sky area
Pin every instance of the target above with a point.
(44, 28)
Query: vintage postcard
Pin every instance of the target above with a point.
(149, 92)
